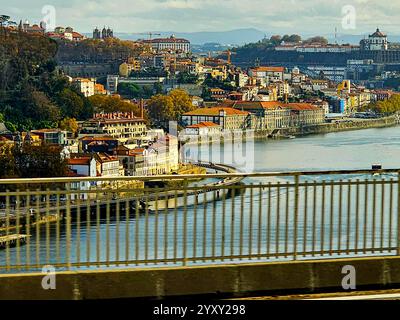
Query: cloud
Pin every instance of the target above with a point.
(285, 16)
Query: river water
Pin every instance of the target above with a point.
(217, 228)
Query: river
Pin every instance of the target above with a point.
(215, 229)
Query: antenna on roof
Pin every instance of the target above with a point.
(336, 35)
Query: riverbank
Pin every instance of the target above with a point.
(342, 126)
(356, 124)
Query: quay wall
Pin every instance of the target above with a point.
(295, 131)
(341, 126)
(217, 281)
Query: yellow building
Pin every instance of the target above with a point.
(126, 68)
(123, 126)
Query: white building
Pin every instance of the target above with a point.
(86, 86)
(376, 41)
(267, 74)
(203, 128)
(170, 44)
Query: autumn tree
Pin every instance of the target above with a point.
(29, 161)
(182, 102)
(317, 39)
(164, 108)
(161, 109)
(386, 107)
(103, 103)
(69, 124)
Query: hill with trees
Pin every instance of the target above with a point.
(32, 92)
(99, 51)
(264, 48)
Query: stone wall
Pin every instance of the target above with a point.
(230, 280)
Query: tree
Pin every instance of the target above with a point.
(386, 107)
(147, 91)
(3, 20)
(186, 77)
(182, 102)
(130, 90)
(158, 88)
(70, 103)
(31, 161)
(69, 124)
(317, 39)
(161, 109)
(291, 38)
(42, 108)
(164, 108)
(276, 40)
(102, 103)
(39, 161)
(32, 93)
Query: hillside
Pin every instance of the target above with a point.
(232, 37)
(32, 94)
(98, 51)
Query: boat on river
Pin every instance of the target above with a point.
(12, 240)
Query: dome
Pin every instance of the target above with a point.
(378, 34)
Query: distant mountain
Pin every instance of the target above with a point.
(234, 37)
(355, 39)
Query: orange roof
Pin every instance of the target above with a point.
(79, 161)
(246, 105)
(216, 90)
(108, 138)
(106, 158)
(205, 124)
(270, 69)
(77, 35)
(215, 111)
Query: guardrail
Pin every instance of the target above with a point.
(176, 220)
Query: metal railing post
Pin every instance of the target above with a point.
(398, 213)
(296, 213)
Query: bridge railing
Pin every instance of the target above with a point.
(80, 223)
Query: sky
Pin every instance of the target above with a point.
(272, 17)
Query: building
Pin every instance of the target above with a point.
(203, 128)
(109, 166)
(51, 136)
(160, 157)
(123, 126)
(274, 114)
(99, 89)
(266, 75)
(217, 94)
(376, 41)
(266, 115)
(65, 34)
(86, 86)
(226, 118)
(382, 95)
(126, 68)
(83, 165)
(32, 29)
(169, 44)
(103, 144)
(303, 114)
(112, 83)
(103, 34)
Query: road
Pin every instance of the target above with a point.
(393, 294)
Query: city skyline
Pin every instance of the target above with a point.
(289, 16)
